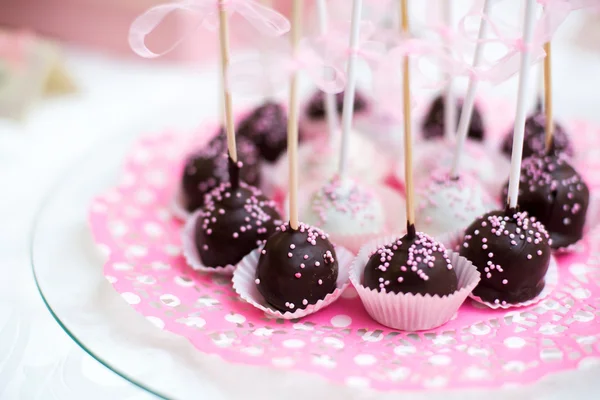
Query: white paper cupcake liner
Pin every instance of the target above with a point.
(551, 283)
(190, 251)
(177, 206)
(245, 286)
(409, 312)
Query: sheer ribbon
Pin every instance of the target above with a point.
(205, 13)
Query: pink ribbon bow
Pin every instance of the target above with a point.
(252, 76)
(264, 19)
(334, 46)
(508, 37)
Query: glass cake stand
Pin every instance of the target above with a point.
(67, 267)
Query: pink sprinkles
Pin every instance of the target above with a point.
(421, 257)
(254, 206)
(527, 230)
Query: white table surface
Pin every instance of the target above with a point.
(37, 359)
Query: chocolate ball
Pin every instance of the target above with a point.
(512, 252)
(296, 268)
(534, 141)
(554, 193)
(207, 168)
(434, 123)
(315, 109)
(266, 127)
(233, 223)
(418, 265)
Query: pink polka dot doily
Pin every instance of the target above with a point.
(479, 347)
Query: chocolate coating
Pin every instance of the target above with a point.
(555, 194)
(434, 123)
(296, 268)
(512, 253)
(266, 127)
(233, 223)
(207, 167)
(534, 141)
(315, 109)
(419, 265)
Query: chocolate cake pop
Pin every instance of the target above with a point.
(512, 252)
(296, 268)
(234, 221)
(535, 138)
(207, 167)
(266, 127)
(417, 265)
(554, 193)
(433, 125)
(447, 205)
(342, 206)
(315, 108)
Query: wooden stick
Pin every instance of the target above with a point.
(349, 93)
(408, 174)
(548, 95)
(469, 104)
(519, 132)
(329, 98)
(293, 118)
(449, 100)
(224, 46)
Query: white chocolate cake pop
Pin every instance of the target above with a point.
(446, 205)
(319, 160)
(490, 169)
(343, 207)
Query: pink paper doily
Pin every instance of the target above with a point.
(485, 348)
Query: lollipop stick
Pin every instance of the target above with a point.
(348, 111)
(408, 174)
(329, 99)
(224, 42)
(469, 104)
(519, 132)
(293, 119)
(449, 101)
(548, 95)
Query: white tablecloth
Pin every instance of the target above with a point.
(37, 359)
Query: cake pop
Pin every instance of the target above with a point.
(313, 122)
(447, 205)
(266, 127)
(296, 268)
(534, 142)
(417, 265)
(512, 253)
(433, 125)
(438, 154)
(554, 193)
(343, 207)
(319, 160)
(207, 167)
(233, 222)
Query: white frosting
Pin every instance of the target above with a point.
(446, 206)
(344, 207)
(318, 161)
